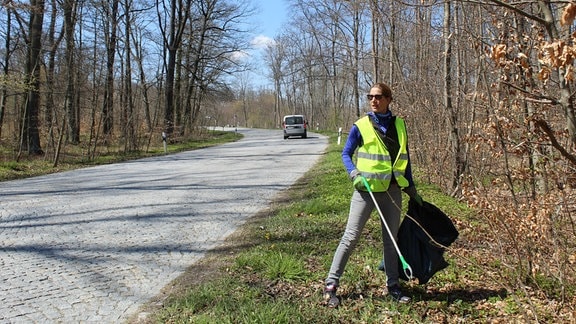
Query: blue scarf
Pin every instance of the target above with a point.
(382, 120)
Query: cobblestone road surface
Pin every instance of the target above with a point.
(93, 245)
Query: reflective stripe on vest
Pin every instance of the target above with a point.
(374, 161)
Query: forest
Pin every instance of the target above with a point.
(486, 87)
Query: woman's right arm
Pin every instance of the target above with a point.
(354, 140)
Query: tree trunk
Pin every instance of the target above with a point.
(73, 120)
(178, 93)
(179, 13)
(53, 43)
(130, 128)
(6, 69)
(108, 104)
(143, 83)
(356, 58)
(375, 43)
(391, 59)
(565, 92)
(169, 93)
(31, 133)
(452, 113)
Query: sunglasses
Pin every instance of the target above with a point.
(377, 97)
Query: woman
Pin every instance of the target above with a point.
(383, 161)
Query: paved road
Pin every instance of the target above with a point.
(93, 245)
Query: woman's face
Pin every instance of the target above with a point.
(378, 103)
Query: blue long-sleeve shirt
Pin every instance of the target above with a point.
(355, 140)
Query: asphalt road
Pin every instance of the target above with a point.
(93, 245)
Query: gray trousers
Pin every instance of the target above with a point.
(361, 207)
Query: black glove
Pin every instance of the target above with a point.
(413, 194)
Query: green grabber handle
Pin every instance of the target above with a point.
(405, 266)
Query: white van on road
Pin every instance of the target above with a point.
(295, 125)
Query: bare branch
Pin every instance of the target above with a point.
(520, 11)
(543, 125)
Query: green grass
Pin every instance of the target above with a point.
(273, 271)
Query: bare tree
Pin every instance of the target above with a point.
(30, 139)
(172, 27)
(6, 66)
(129, 124)
(53, 43)
(452, 112)
(138, 40)
(111, 38)
(275, 59)
(72, 109)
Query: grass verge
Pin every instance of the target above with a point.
(74, 156)
(272, 269)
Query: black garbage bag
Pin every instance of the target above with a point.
(424, 256)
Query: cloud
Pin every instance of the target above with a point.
(239, 55)
(262, 41)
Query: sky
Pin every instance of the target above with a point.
(269, 19)
(271, 14)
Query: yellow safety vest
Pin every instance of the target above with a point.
(374, 161)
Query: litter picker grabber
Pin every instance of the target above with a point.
(405, 266)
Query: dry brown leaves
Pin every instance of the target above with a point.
(552, 54)
(526, 202)
(498, 54)
(568, 14)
